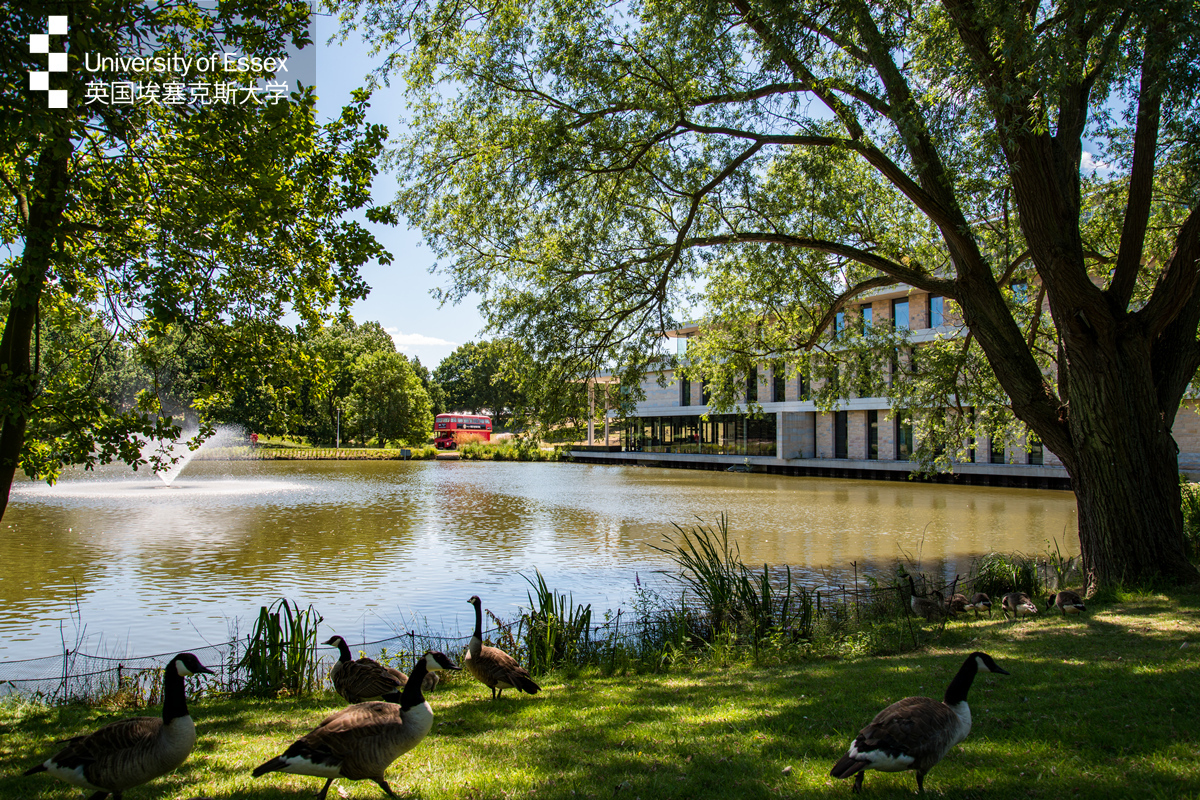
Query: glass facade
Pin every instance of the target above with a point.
(685, 393)
(937, 311)
(720, 434)
(867, 315)
(900, 314)
(904, 437)
(752, 386)
(841, 434)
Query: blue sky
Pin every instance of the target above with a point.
(400, 297)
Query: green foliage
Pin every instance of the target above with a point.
(997, 574)
(1190, 494)
(733, 599)
(515, 449)
(555, 633)
(161, 223)
(281, 653)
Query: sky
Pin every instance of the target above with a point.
(400, 298)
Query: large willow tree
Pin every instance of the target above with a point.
(597, 169)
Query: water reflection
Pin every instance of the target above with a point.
(381, 545)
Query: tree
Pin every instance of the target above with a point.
(596, 170)
(474, 379)
(210, 217)
(387, 400)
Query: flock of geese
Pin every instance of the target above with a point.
(389, 716)
(934, 606)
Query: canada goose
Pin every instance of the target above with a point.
(1067, 602)
(361, 741)
(980, 600)
(957, 603)
(491, 666)
(130, 752)
(1015, 603)
(916, 732)
(366, 679)
(931, 609)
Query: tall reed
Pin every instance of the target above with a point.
(281, 652)
(556, 633)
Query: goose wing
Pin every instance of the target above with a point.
(366, 679)
(913, 733)
(107, 741)
(501, 669)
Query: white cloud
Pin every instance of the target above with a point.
(405, 342)
(1089, 164)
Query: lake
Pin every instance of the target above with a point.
(126, 565)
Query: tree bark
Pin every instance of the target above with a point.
(1125, 472)
(18, 383)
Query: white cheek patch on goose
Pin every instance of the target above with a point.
(181, 670)
(881, 759)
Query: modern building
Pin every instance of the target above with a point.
(863, 438)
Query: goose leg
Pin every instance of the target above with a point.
(100, 795)
(324, 790)
(858, 779)
(384, 785)
(921, 782)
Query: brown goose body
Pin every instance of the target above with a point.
(130, 752)
(367, 679)
(491, 666)
(957, 604)
(932, 609)
(916, 732)
(980, 600)
(361, 741)
(1068, 603)
(1017, 603)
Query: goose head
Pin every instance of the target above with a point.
(435, 660)
(187, 664)
(984, 663)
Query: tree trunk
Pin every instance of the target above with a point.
(18, 383)
(1124, 468)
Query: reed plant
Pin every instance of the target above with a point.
(280, 657)
(556, 633)
(1000, 573)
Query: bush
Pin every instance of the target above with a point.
(997, 574)
(1190, 498)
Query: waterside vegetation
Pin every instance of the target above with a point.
(763, 724)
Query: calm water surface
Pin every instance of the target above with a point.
(126, 565)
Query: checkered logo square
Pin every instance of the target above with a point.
(39, 43)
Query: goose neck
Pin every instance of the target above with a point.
(957, 691)
(174, 694)
(412, 695)
(344, 651)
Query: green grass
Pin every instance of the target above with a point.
(1103, 706)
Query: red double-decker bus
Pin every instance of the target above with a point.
(451, 430)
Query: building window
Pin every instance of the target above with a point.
(752, 385)
(996, 456)
(839, 323)
(1036, 454)
(778, 383)
(904, 437)
(685, 392)
(867, 317)
(803, 387)
(937, 311)
(873, 435)
(1020, 292)
(970, 412)
(841, 446)
(900, 314)
(704, 393)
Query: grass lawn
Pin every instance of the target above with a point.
(1103, 706)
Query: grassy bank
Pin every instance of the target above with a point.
(1098, 707)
